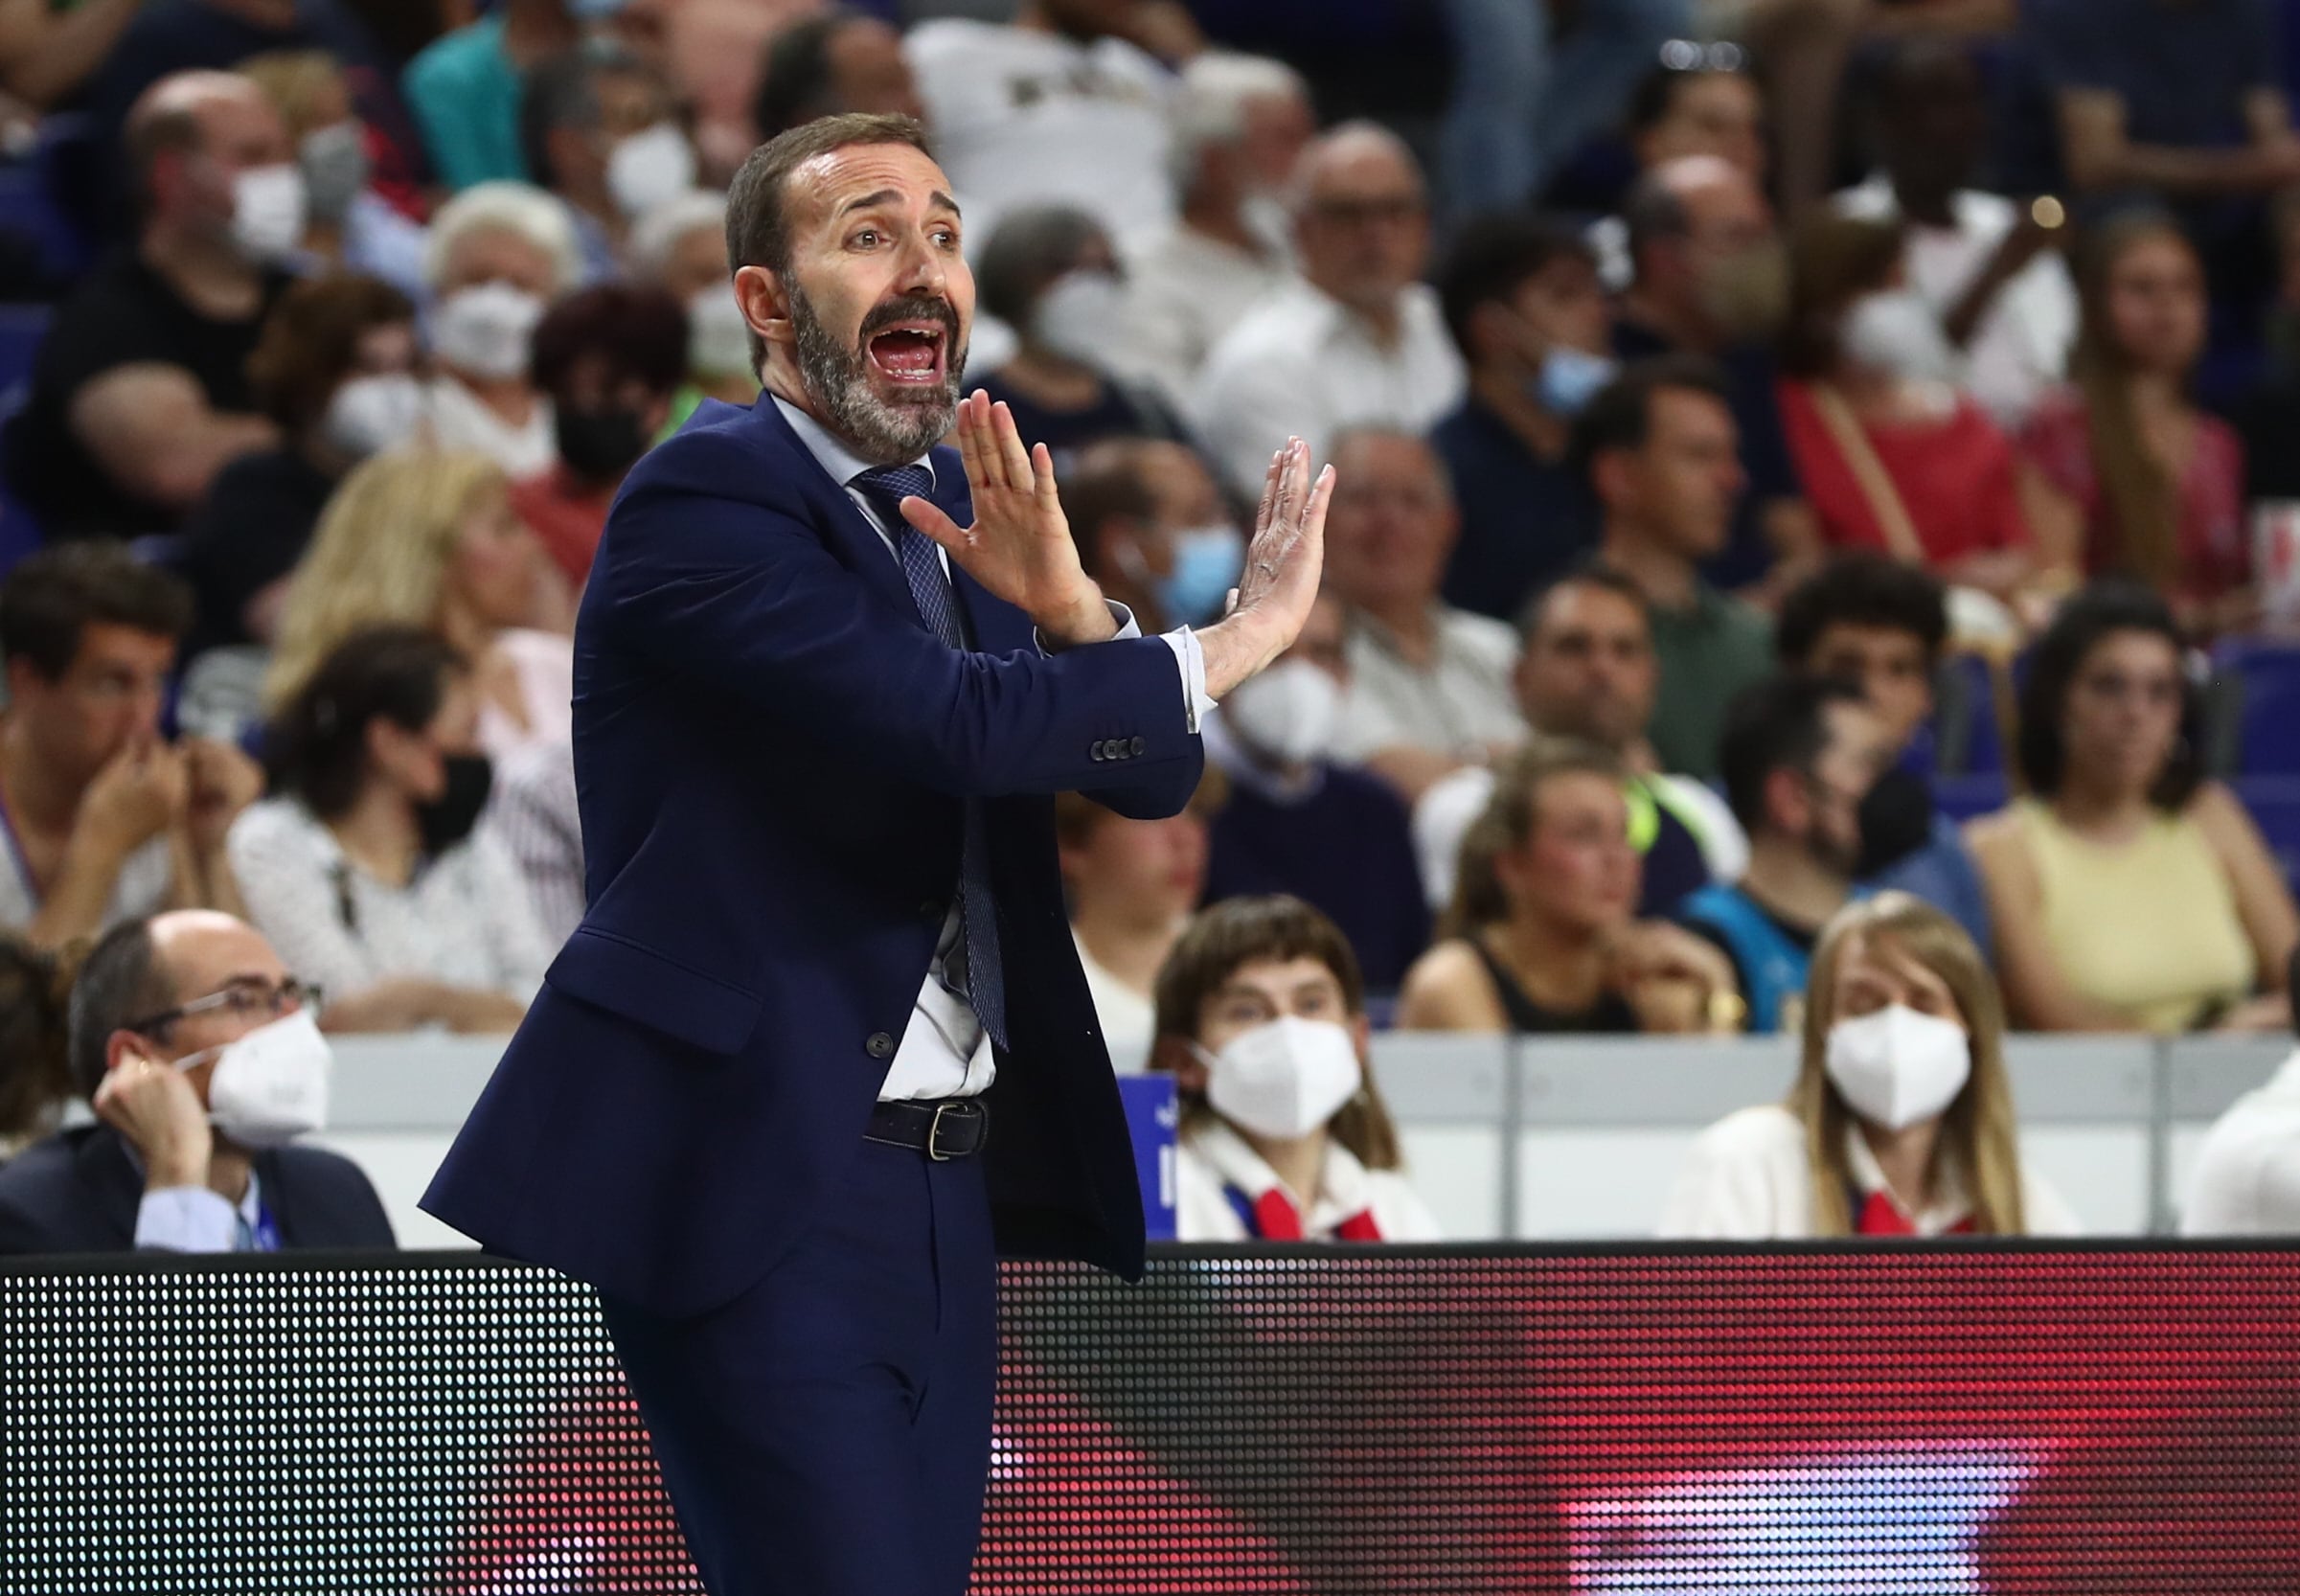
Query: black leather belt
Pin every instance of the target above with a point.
(943, 1130)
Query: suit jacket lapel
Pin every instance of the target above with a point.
(111, 1178)
(852, 537)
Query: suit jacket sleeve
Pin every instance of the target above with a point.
(736, 588)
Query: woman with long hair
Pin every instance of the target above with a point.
(2128, 892)
(1900, 1123)
(1542, 935)
(427, 537)
(2138, 473)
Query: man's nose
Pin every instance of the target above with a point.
(924, 270)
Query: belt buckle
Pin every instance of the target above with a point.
(934, 1132)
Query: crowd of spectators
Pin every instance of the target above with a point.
(1801, 465)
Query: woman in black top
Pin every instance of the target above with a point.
(1541, 937)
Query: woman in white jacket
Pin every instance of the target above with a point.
(1900, 1123)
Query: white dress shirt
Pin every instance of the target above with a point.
(2247, 1180)
(1302, 364)
(1748, 1180)
(1213, 1158)
(1459, 702)
(944, 1052)
(196, 1218)
(1181, 298)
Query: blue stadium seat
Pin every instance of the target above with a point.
(2274, 804)
(1962, 797)
(2264, 692)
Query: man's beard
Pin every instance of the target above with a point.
(840, 379)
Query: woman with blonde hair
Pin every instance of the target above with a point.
(427, 537)
(1900, 1123)
(1543, 935)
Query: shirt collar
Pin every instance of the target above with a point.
(1950, 1206)
(830, 451)
(1344, 1188)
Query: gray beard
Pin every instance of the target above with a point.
(840, 379)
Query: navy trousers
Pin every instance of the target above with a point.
(828, 1433)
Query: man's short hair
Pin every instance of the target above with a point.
(1862, 588)
(1590, 572)
(122, 980)
(794, 73)
(758, 214)
(1209, 107)
(1621, 416)
(1493, 257)
(54, 595)
(1780, 723)
(1029, 249)
(563, 91)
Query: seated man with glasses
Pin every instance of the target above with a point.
(204, 1061)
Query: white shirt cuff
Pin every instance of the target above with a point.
(1128, 628)
(187, 1219)
(1193, 660)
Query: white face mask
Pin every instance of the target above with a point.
(718, 340)
(268, 210)
(271, 1085)
(1076, 316)
(1285, 1079)
(371, 414)
(1898, 333)
(483, 331)
(1289, 713)
(649, 167)
(1897, 1067)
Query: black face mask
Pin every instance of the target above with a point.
(1896, 820)
(599, 446)
(448, 819)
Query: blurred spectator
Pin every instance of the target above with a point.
(1524, 306)
(464, 89)
(837, 61)
(2269, 416)
(500, 253)
(1153, 531)
(1710, 106)
(1057, 108)
(335, 369)
(46, 52)
(139, 391)
(534, 815)
(1712, 280)
(1360, 340)
(1261, 1021)
(2146, 483)
(1049, 273)
(1132, 884)
(601, 130)
(1800, 755)
(2128, 892)
(1241, 123)
(367, 869)
(680, 247)
(197, 1048)
(1542, 935)
(1656, 447)
(2244, 1181)
(714, 53)
(1524, 101)
(1297, 823)
(425, 538)
(1588, 674)
(102, 821)
(1989, 271)
(1881, 625)
(609, 359)
(36, 1072)
(347, 224)
(1429, 685)
(1900, 1123)
(1892, 455)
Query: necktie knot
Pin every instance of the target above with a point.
(890, 485)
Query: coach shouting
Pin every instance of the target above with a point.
(829, 676)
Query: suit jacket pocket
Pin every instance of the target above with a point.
(624, 978)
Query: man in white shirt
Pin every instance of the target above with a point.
(1054, 109)
(1429, 685)
(1360, 341)
(2247, 1180)
(1240, 126)
(1990, 271)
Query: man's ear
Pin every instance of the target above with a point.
(1786, 804)
(120, 1046)
(765, 305)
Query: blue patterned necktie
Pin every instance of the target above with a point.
(983, 980)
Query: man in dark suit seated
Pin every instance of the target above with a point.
(203, 1062)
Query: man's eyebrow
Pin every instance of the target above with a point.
(886, 196)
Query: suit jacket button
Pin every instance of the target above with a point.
(880, 1045)
(1098, 752)
(1136, 747)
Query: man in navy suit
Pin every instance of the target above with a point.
(829, 678)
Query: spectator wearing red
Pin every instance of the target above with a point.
(1894, 456)
(2146, 482)
(610, 360)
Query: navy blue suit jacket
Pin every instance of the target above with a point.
(770, 754)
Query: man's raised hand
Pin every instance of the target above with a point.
(1280, 581)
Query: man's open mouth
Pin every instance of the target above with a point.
(911, 352)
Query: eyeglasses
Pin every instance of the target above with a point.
(1685, 54)
(241, 1000)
